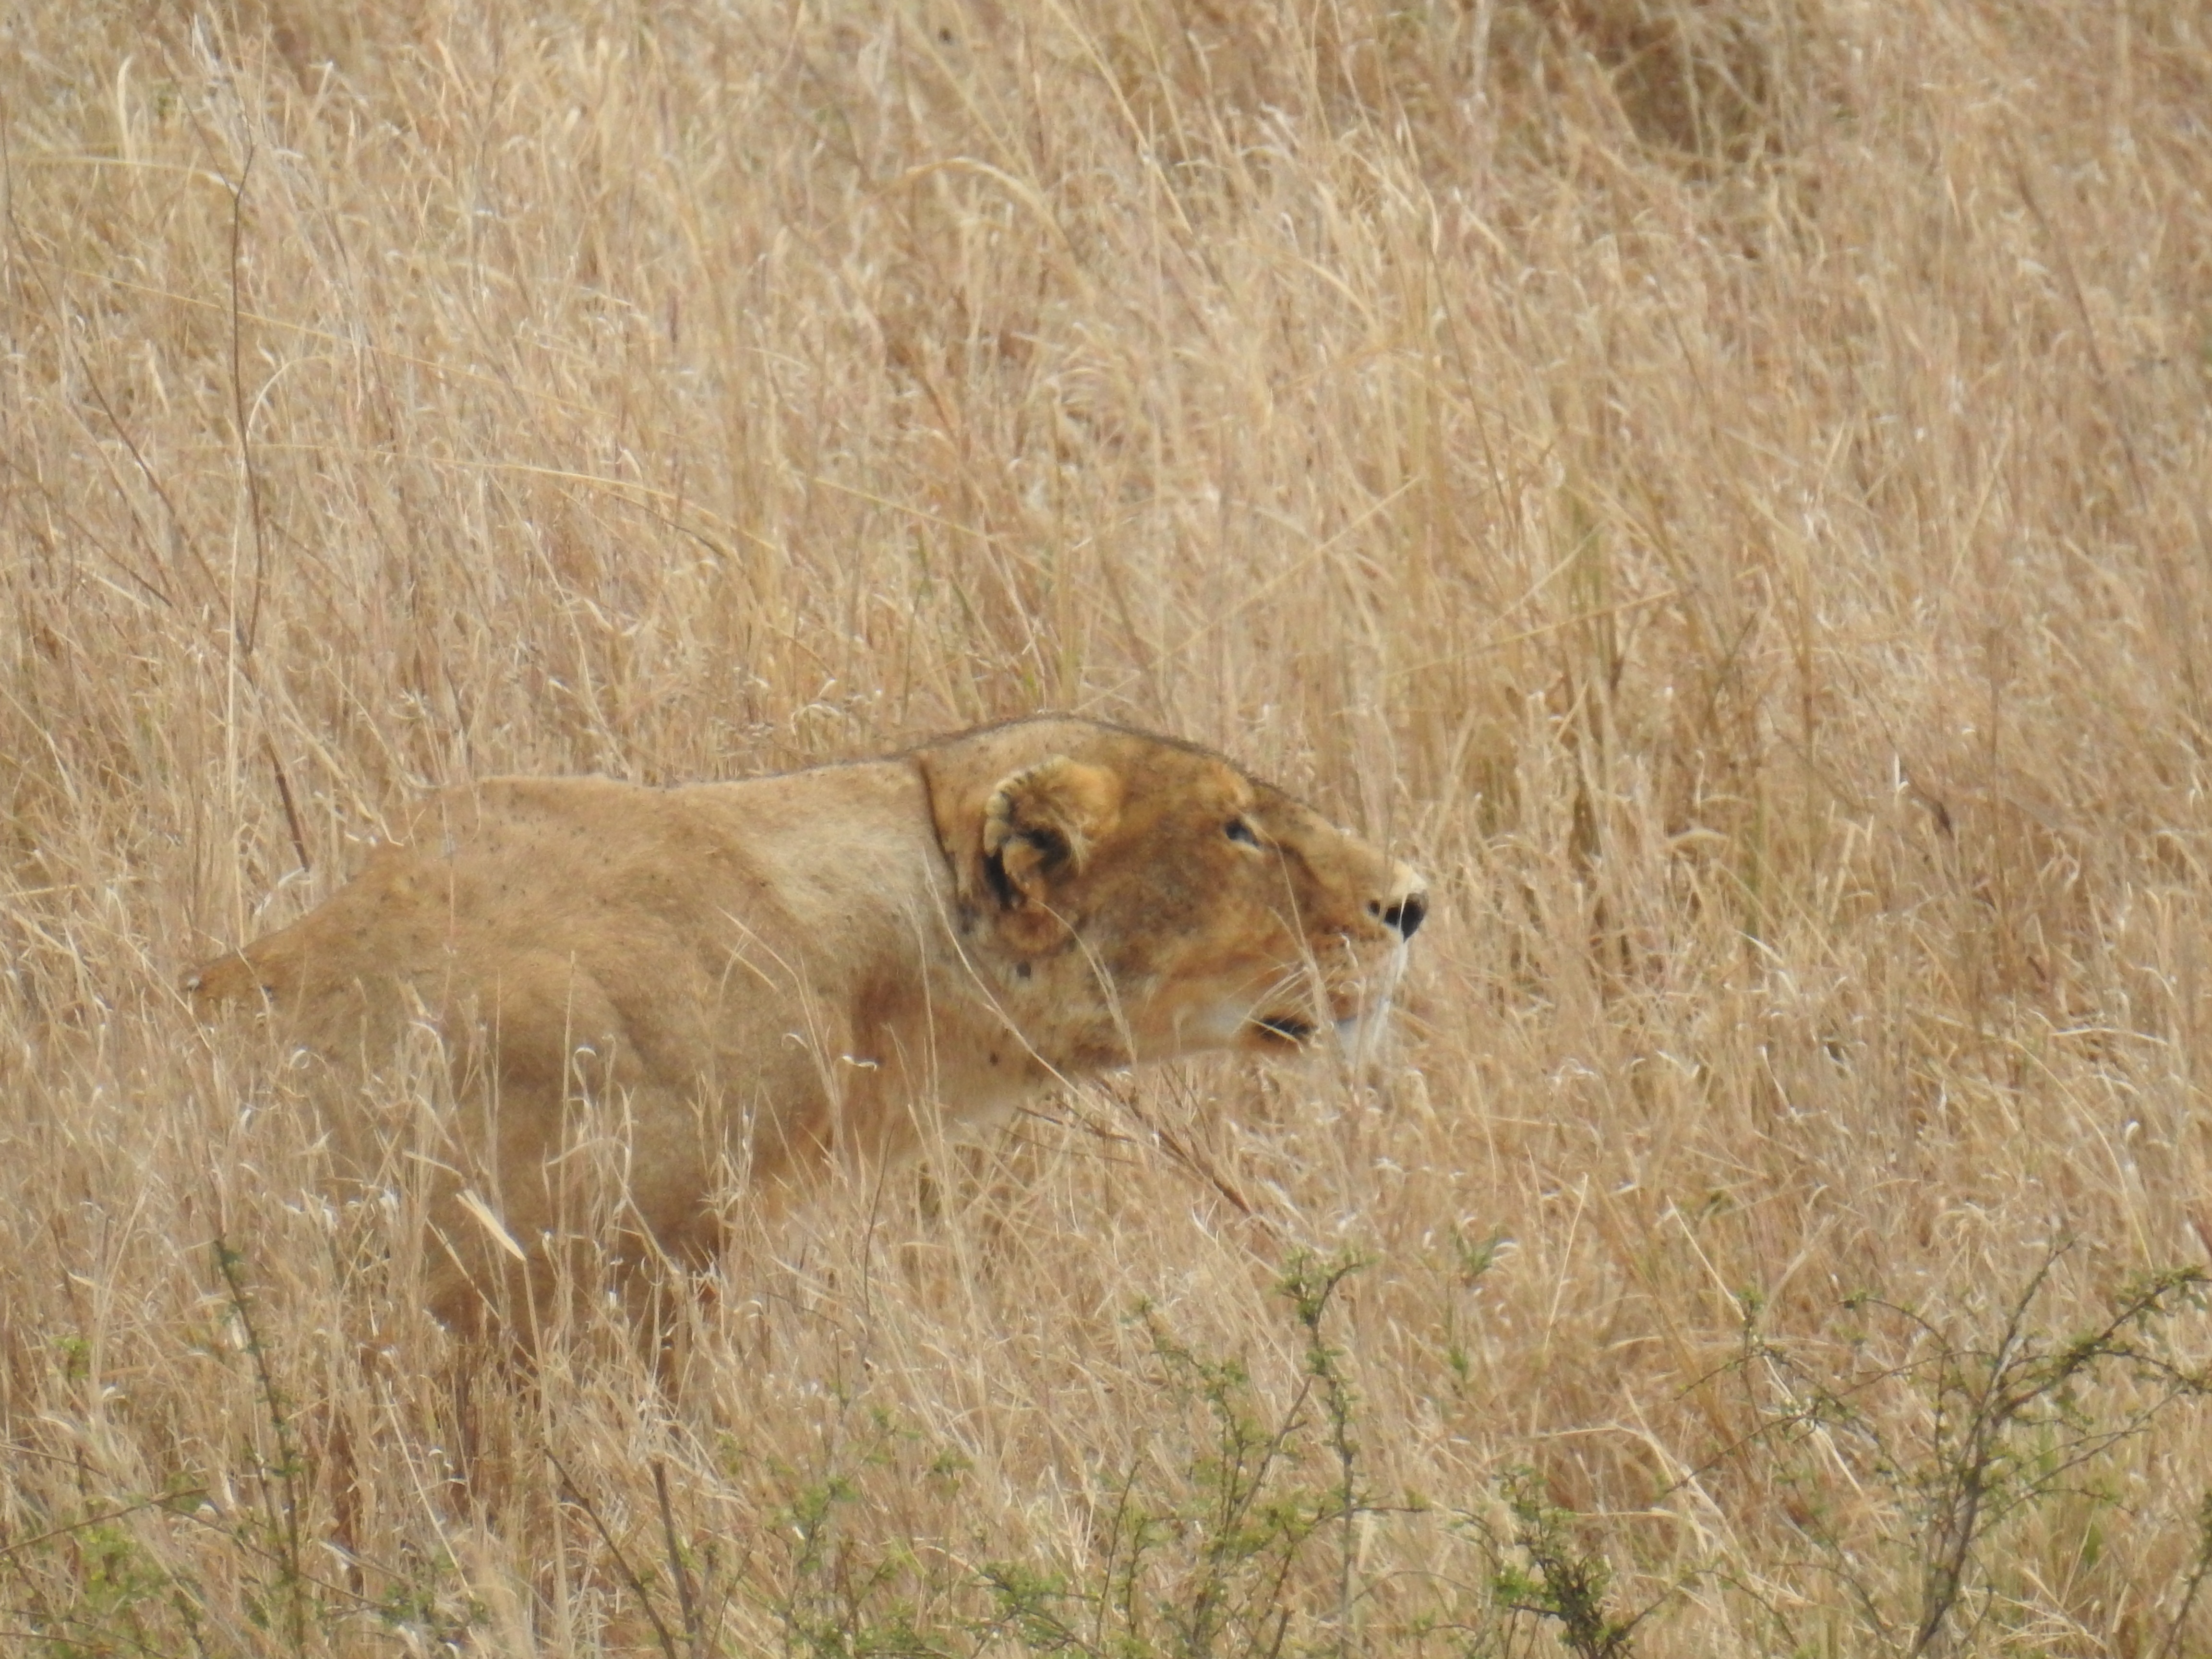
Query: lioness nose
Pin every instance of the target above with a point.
(1404, 914)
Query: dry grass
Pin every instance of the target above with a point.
(1723, 484)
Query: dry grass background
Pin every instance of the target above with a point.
(1722, 486)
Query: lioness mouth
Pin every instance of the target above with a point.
(1286, 1026)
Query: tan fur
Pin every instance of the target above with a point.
(755, 980)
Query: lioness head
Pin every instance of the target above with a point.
(1198, 908)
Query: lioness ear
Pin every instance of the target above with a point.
(1041, 823)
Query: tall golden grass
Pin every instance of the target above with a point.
(1722, 483)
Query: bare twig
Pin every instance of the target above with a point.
(629, 1576)
(678, 1569)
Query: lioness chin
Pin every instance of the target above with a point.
(755, 981)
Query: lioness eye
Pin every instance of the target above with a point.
(1241, 831)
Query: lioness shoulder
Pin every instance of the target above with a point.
(759, 978)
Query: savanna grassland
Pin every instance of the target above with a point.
(1722, 486)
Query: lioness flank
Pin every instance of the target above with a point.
(751, 981)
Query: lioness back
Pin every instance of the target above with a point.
(749, 981)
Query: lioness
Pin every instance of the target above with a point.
(753, 981)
